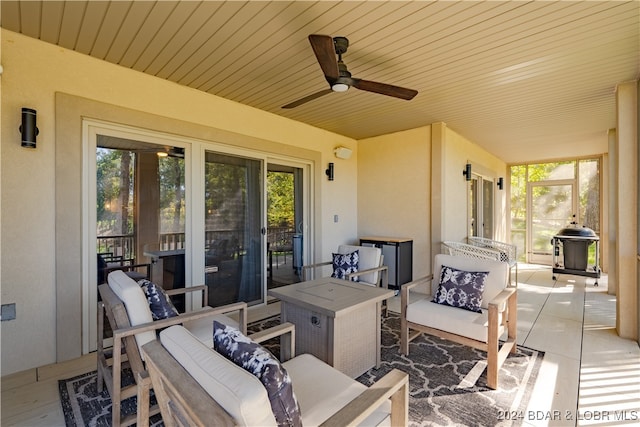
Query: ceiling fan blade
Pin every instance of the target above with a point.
(385, 89)
(307, 99)
(325, 52)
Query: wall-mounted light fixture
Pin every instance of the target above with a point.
(329, 172)
(500, 183)
(467, 172)
(28, 128)
(342, 152)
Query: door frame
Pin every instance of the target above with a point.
(306, 202)
(91, 128)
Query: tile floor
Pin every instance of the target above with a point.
(589, 375)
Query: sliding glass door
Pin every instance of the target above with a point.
(194, 211)
(234, 269)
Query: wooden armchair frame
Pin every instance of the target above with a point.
(125, 351)
(183, 402)
(505, 303)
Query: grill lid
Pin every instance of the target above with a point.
(577, 232)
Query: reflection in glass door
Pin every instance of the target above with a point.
(233, 224)
(552, 207)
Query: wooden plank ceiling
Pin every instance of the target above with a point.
(526, 80)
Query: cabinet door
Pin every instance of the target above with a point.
(390, 260)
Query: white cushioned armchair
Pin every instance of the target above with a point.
(479, 330)
(127, 310)
(197, 386)
(370, 268)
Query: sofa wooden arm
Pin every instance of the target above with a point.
(287, 333)
(183, 291)
(308, 267)
(185, 317)
(500, 301)
(384, 272)
(394, 386)
(404, 290)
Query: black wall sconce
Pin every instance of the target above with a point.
(28, 128)
(500, 183)
(329, 172)
(467, 172)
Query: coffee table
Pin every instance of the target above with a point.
(337, 321)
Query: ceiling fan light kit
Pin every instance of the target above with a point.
(340, 87)
(338, 76)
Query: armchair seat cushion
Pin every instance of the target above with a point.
(322, 390)
(451, 319)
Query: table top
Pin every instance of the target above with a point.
(386, 239)
(329, 296)
(163, 254)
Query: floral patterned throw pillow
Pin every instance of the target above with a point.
(344, 264)
(254, 358)
(461, 289)
(159, 302)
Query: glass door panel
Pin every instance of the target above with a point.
(480, 202)
(284, 213)
(552, 208)
(233, 229)
(487, 208)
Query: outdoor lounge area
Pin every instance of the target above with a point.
(571, 321)
(207, 151)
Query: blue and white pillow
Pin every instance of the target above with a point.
(344, 264)
(254, 358)
(159, 302)
(461, 289)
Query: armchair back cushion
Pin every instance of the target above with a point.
(135, 302)
(239, 392)
(497, 278)
(368, 257)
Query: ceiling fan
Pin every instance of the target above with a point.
(337, 75)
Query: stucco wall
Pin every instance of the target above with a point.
(394, 190)
(458, 152)
(33, 73)
(410, 184)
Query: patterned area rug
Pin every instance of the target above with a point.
(447, 383)
(82, 405)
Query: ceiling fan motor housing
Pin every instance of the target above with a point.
(341, 44)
